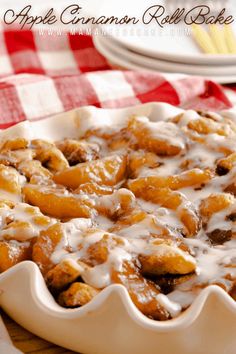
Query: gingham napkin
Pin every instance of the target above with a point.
(42, 74)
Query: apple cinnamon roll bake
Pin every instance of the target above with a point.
(149, 205)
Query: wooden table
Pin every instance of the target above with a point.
(27, 342)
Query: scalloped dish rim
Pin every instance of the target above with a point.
(30, 271)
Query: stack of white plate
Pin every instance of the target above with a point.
(165, 51)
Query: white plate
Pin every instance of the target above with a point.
(172, 42)
(111, 323)
(117, 61)
(162, 65)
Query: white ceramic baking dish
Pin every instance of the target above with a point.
(110, 323)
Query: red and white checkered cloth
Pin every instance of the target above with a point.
(41, 75)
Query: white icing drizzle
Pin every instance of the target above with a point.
(220, 221)
(22, 212)
(172, 307)
(165, 131)
(14, 197)
(215, 263)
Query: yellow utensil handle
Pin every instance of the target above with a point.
(203, 39)
(219, 39)
(230, 39)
